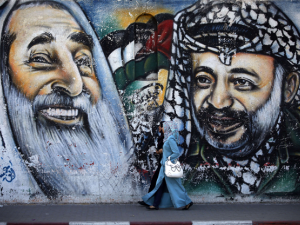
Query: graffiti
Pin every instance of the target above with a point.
(8, 173)
(84, 85)
(148, 99)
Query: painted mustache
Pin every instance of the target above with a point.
(222, 121)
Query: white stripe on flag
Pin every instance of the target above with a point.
(115, 59)
(128, 52)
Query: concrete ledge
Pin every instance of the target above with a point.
(162, 223)
(233, 222)
(37, 223)
(222, 222)
(99, 223)
(275, 222)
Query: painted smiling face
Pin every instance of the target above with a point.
(226, 97)
(52, 54)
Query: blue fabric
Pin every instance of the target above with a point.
(176, 196)
(171, 128)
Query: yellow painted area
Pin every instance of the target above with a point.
(129, 16)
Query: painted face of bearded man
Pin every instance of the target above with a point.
(240, 103)
(65, 129)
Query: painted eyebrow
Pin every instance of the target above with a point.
(41, 39)
(245, 71)
(82, 38)
(204, 69)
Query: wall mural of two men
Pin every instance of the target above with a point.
(79, 113)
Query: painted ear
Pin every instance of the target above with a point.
(291, 86)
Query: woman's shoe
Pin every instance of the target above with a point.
(152, 207)
(142, 203)
(188, 206)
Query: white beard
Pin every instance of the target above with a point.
(71, 160)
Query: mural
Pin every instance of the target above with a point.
(236, 66)
(85, 84)
(65, 116)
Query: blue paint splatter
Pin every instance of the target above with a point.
(8, 174)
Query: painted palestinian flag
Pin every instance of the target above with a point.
(140, 50)
(139, 58)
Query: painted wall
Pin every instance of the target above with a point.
(85, 84)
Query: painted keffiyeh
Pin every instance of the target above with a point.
(170, 128)
(246, 175)
(224, 28)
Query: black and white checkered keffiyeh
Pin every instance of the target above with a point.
(223, 27)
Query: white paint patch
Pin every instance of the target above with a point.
(237, 171)
(249, 178)
(259, 153)
(243, 163)
(245, 189)
(115, 59)
(269, 169)
(254, 167)
(232, 179)
(128, 52)
(222, 222)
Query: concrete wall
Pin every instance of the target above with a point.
(85, 84)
